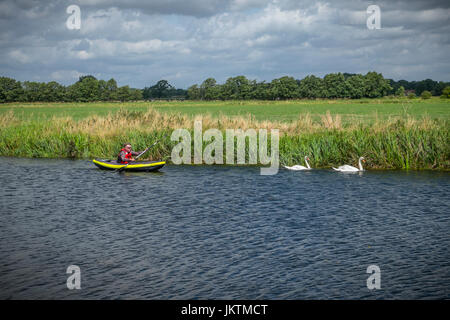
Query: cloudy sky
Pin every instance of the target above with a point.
(187, 41)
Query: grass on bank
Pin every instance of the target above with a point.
(387, 143)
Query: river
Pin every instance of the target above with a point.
(221, 232)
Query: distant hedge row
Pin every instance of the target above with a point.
(333, 85)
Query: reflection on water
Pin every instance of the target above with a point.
(218, 232)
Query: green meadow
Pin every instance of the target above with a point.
(349, 110)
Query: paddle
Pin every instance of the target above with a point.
(140, 154)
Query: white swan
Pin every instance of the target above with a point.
(347, 168)
(299, 167)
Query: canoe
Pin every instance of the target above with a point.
(134, 167)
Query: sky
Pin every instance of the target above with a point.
(187, 41)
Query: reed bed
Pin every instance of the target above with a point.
(393, 143)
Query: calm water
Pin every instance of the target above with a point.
(216, 232)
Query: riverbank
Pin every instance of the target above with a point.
(392, 143)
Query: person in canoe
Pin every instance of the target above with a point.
(126, 154)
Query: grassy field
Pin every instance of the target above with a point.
(350, 110)
(389, 133)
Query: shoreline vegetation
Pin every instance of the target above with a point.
(387, 141)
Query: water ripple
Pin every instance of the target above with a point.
(192, 232)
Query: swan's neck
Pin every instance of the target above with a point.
(360, 165)
(307, 164)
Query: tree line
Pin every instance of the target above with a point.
(86, 89)
(418, 87)
(331, 86)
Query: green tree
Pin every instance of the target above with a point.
(425, 85)
(193, 92)
(52, 91)
(236, 88)
(311, 87)
(135, 94)
(124, 94)
(375, 85)
(425, 94)
(72, 93)
(400, 92)
(160, 89)
(89, 89)
(86, 89)
(261, 91)
(335, 86)
(108, 90)
(355, 86)
(88, 76)
(284, 88)
(419, 86)
(446, 93)
(437, 91)
(209, 90)
(102, 90)
(10, 90)
(32, 91)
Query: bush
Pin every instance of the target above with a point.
(400, 92)
(446, 93)
(411, 95)
(425, 94)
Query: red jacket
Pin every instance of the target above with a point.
(123, 155)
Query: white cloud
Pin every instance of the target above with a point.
(83, 55)
(19, 56)
(143, 41)
(65, 75)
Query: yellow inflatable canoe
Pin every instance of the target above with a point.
(136, 167)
